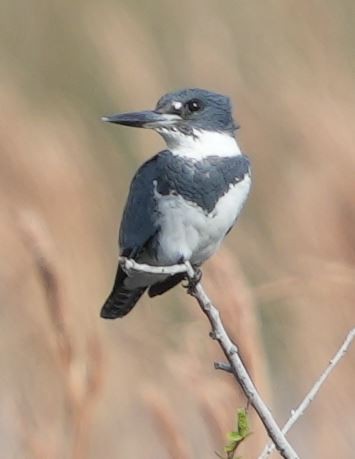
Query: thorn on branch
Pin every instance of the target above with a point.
(223, 366)
(233, 350)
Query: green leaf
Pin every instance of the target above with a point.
(236, 437)
(229, 448)
(243, 423)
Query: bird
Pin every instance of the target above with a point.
(183, 201)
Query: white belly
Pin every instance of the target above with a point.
(189, 233)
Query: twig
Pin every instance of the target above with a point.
(229, 349)
(223, 366)
(297, 413)
(131, 267)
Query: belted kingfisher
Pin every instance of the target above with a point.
(184, 200)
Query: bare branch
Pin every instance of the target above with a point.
(297, 413)
(230, 350)
(131, 267)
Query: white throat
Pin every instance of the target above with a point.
(200, 144)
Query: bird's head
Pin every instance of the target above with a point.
(185, 111)
(193, 122)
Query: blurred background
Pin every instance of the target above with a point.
(75, 386)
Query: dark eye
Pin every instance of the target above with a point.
(194, 105)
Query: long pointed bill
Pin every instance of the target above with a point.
(146, 119)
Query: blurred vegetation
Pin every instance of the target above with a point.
(74, 386)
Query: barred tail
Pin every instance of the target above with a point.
(121, 300)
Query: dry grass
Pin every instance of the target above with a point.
(73, 386)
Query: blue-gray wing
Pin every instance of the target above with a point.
(137, 226)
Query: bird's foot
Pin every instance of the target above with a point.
(193, 281)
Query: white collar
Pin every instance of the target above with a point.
(200, 144)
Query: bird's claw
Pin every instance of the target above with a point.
(191, 283)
